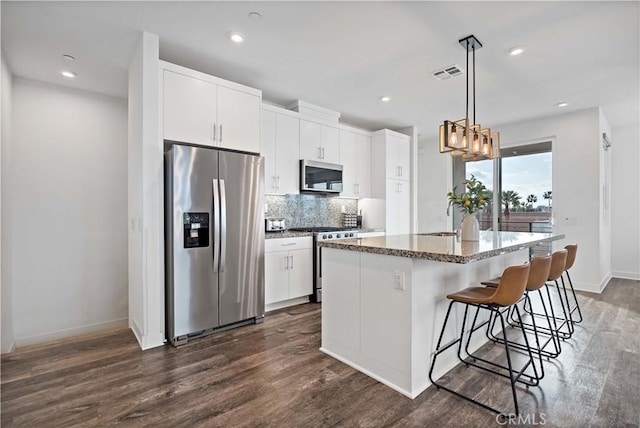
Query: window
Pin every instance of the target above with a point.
(521, 179)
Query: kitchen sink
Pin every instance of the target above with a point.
(439, 234)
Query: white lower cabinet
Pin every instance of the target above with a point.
(288, 270)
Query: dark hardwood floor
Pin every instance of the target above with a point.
(273, 374)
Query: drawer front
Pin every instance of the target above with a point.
(285, 244)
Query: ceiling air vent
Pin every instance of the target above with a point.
(448, 72)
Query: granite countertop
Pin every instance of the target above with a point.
(292, 234)
(286, 234)
(444, 248)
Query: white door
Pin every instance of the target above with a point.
(330, 144)
(288, 154)
(391, 203)
(301, 273)
(268, 149)
(276, 276)
(310, 140)
(363, 162)
(349, 164)
(189, 109)
(404, 158)
(404, 208)
(238, 120)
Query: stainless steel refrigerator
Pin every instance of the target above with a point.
(214, 241)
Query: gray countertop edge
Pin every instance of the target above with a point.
(292, 234)
(351, 244)
(286, 234)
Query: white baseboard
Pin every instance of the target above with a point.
(626, 275)
(284, 304)
(12, 348)
(148, 341)
(69, 332)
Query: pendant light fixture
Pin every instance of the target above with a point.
(459, 137)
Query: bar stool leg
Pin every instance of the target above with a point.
(575, 298)
(512, 376)
(567, 314)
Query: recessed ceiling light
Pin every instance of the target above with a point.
(255, 16)
(562, 104)
(68, 57)
(68, 74)
(516, 51)
(385, 99)
(236, 37)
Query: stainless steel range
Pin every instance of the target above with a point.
(323, 234)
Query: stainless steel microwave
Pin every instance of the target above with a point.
(320, 177)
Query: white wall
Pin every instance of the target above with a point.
(5, 202)
(605, 199)
(625, 205)
(577, 186)
(146, 186)
(69, 211)
(434, 181)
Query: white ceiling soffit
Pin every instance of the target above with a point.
(346, 55)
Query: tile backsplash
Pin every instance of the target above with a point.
(308, 210)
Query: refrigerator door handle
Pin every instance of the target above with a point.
(216, 225)
(223, 225)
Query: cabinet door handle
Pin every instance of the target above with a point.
(287, 262)
(278, 182)
(220, 133)
(291, 262)
(288, 245)
(323, 153)
(213, 133)
(319, 152)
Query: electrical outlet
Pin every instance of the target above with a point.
(398, 280)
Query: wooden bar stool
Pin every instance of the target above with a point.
(538, 274)
(572, 250)
(509, 291)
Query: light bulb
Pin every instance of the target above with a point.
(453, 138)
(485, 145)
(476, 142)
(464, 140)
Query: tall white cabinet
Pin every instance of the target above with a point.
(203, 109)
(280, 146)
(391, 160)
(355, 156)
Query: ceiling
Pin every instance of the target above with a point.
(346, 55)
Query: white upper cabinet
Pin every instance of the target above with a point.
(319, 142)
(355, 156)
(238, 120)
(203, 109)
(398, 157)
(281, 150)
(189, 108)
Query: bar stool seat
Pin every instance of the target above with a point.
(509, 291)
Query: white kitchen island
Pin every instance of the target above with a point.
(384, 298)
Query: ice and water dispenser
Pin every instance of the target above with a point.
(196, 230)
